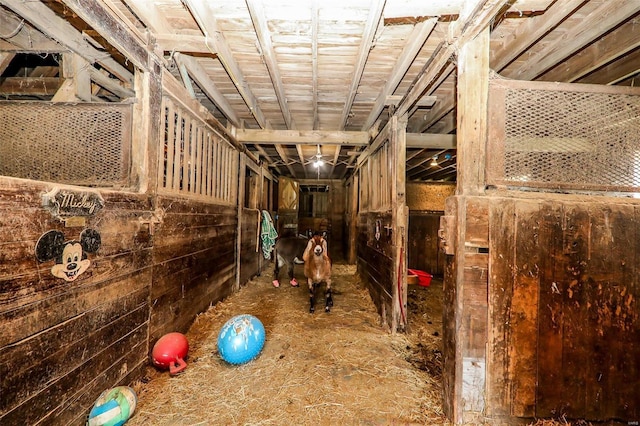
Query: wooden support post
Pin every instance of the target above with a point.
(147, 129)
(77, 80)
(473, 93)
(470, 310)
(241, 177)
(353, 219)
(399, 217)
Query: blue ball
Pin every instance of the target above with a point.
(241, 339)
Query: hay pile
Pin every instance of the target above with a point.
(320, 369)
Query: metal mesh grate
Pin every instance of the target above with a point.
(565, 136)
(79, 144)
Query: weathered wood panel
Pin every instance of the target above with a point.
(563, 315)
(194, 258)
(69, 338)
(449, 338)
(375, 263)
(161, 262)
(423, 250)
(250, 251)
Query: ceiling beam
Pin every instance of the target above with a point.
(605, 50)
(113, 30)
(17, 32)
(292, 137)
(34, 86)
(529, 31)
(185, 43)
(615, 72)
(257, 12)
(5, 60)
(314, 61)
(207, 22)
(302, 161)
(375, 15)
(425, 101)
(336, 155)
(474, 18)
(110, 84)
(270, 162)
(416, 39)
(199, 74)
(435, 114)
(285, 158)
(611, 13)
(401, 9)
(431, 140)
(45, 20)
(151, 17)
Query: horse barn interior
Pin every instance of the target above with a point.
(492, 143)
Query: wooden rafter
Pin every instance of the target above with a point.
(5, 60)
(474, 18)
(199, 74)
(605, 50)
(375, 14)
(531, 30)
(301, 156)
(314, 62)
(293, 137)
(334, 163)
(612, 13)
(43, 18)
(186, 43)
(150, 16)
(94, 13)
(416, 40)
(615, 72)
(207, 22)
(285, 158)
(257, 12)
(440, 110)
(23, 38)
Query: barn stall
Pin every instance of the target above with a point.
(143, 142)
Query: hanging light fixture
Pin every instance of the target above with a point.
(434, 161)
(318, 161)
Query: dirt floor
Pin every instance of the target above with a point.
(337, 368)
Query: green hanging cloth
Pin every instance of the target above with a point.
(268, 235)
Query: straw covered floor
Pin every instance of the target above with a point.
(341, 367)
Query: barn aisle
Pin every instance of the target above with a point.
(320, 369)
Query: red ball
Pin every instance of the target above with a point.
(170, 351)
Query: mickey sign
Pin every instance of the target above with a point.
(71, 256)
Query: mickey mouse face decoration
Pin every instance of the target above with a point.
(71, 256)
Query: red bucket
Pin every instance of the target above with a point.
(424, 278)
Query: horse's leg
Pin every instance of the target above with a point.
(312, 295)
(329, 299)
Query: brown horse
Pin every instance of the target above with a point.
(317, 269)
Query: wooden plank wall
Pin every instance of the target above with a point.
(375, 261)
(194, 261)
(465, 326)
(423, 251)
(62, 343)
(250, 251)
(563, 309)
